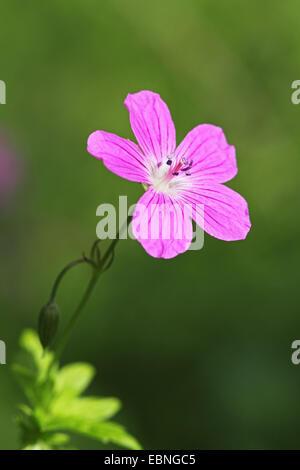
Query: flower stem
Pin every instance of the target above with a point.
(98, 269)
(62, 274)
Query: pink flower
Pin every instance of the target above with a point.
(187, 178)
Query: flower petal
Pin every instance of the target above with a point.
(119, 155)
(218, 210)
(212, 157)
(161, 225)
(152, 124)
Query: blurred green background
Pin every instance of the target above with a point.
(197, 348)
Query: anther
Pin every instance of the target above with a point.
(188, 167)
(169, 162)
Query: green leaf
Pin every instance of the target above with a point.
(56, 403)
(57, 439)
(38, 392)
(110, 432)
(26, 379)
(30, 342)
(38, 380)
(40, 445)
(73, 379)
(42, 359)
(66, 413)
(23, 373)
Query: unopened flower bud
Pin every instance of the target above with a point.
(48, 323)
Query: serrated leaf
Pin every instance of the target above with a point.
(104, 432)
(73, 379)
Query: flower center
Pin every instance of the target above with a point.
(171, 175)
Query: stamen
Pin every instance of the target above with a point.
(188, 167)
(167, 174)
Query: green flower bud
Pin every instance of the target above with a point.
(48, 323)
